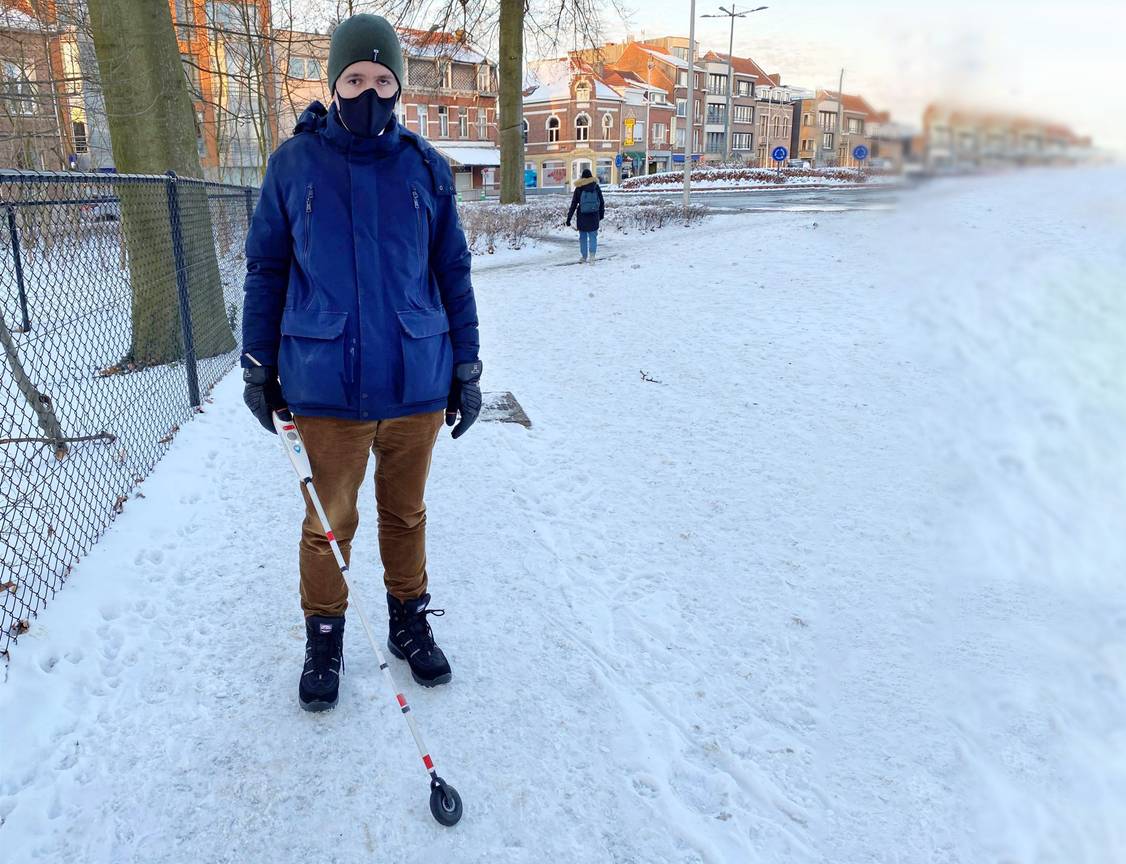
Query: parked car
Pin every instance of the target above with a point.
(798, 163)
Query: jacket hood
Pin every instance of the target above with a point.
(584, 181)
(312, 118)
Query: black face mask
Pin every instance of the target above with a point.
(366, 115)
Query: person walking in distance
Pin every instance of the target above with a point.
(360, 317)
(588, 201)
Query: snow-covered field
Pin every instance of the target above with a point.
(841, 583)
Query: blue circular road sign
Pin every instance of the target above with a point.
(860, 152)
(779, 153)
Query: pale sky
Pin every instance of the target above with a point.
(1066, 61)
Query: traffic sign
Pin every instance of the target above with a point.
(618, 161)
(779, 153)
(860, 152)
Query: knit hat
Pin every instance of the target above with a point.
(364, 37)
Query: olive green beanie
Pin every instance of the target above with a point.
(364, 37)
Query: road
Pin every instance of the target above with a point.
(783, 200)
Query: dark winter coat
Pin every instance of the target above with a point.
(587, 221)
(358, 275)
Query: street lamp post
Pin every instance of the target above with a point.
(691, 81)
(732, 14)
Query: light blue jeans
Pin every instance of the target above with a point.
(588, 239)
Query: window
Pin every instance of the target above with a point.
(582, 128)
(608, 127)
(185, 19)
(716, 142)
(744, 113)
(639, 132)
(695, 140)
(462, 77)
(463, 122)
(554, 173)
(659, 132)
(681, 107)
(577, 168)
(717, 113)
(423, 121)
(697, 110)
(304, 68)
(191, 71)
(743, 87)
(485, 78)
(827, 120)
(231, 16)
(582, 92)
(762, 125)
(682, 53)
(526, 127)
(604, 171)
(855, 125)
(827, 141)
(806, 119)
(682, 78)
(742, 141)
(657, 97)
(776, 127)
(18, 90)
(483, 124)
(443, 121)
(699, 79)
(680, 137)
(717, 85)
(81, 143)
(552, 130)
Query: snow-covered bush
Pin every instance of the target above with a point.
(709, 176)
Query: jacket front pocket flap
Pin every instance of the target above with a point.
(313, 325)
(420, 323)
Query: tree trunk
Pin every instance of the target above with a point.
(153, 130)
(511, 87)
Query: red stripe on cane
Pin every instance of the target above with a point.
(402, 701)
(288, 428)
(428, 762)
(330, 536)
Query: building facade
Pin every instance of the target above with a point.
(818, 138)
(647, 123)
(572, 122)
(748, 78)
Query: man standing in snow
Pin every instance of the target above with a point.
(358, 297)
(588, 200)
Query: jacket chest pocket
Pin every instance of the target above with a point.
(422, 240)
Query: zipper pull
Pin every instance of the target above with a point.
(414, 195)
(309, 199)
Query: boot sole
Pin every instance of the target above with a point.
(433, 682)
(316, 704)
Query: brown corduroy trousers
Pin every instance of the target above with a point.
(338, 451)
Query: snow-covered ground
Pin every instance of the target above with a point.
(839, 579)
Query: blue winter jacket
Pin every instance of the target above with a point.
(358, 275)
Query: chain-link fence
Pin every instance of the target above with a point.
(120, 308)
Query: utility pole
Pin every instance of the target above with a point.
(732, 14)
(840, 119)
(691, 107)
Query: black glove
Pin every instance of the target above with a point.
(262, 394)
(465, 397)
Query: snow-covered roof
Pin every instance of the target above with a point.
(552, 80)
(424, 44)
(468, 153)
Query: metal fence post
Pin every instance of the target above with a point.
(182, 289)
(13, 231)
(249, 206)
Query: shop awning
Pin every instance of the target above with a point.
(470, 155)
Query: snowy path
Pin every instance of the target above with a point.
(843, 584)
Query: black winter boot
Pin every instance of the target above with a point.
(411, 639)
(324, 661)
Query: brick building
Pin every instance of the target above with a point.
(748, 78)
(572, 121)
(36, 97)
(956, 138)
(647, 123)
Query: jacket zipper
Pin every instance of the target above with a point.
(308, 216)
(421, 247)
